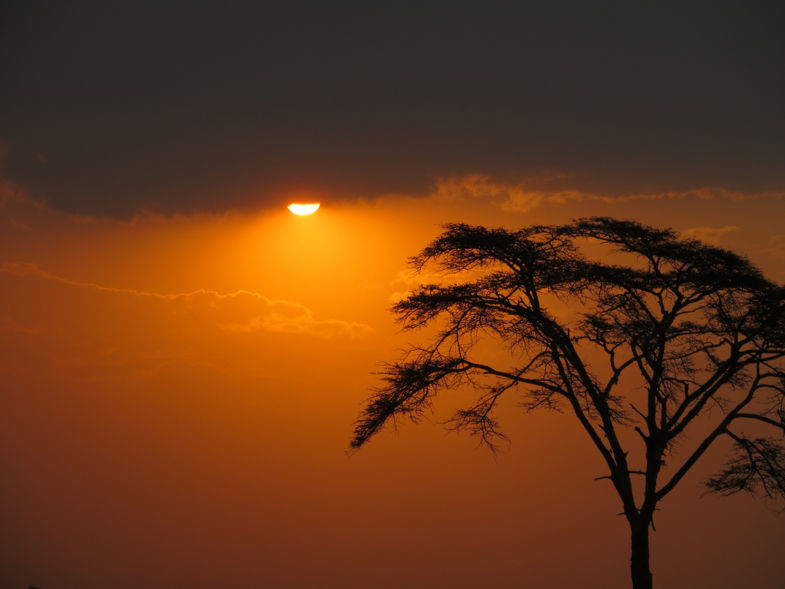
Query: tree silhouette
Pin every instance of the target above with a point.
(663, 334)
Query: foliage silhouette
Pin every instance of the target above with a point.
(664, 333)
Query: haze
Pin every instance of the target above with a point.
(183, 358)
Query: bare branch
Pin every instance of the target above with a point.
(757, 463)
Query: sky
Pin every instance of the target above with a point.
(183, 359)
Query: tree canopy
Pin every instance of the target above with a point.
(662, 333)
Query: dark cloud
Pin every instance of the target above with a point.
(114, 107)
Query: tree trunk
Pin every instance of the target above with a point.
(639, 560)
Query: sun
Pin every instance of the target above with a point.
(304, 208)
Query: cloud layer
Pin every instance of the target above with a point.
(519, 198)
(250, 311)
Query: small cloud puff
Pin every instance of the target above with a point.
(711, 235)
(508, 197)
(302, 322)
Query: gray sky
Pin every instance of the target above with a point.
(109, 108)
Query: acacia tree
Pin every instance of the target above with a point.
(665, 335)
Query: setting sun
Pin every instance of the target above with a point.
(304, 209)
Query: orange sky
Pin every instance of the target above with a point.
(179, 393)
(182, 359)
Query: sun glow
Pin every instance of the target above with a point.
(303, 208)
